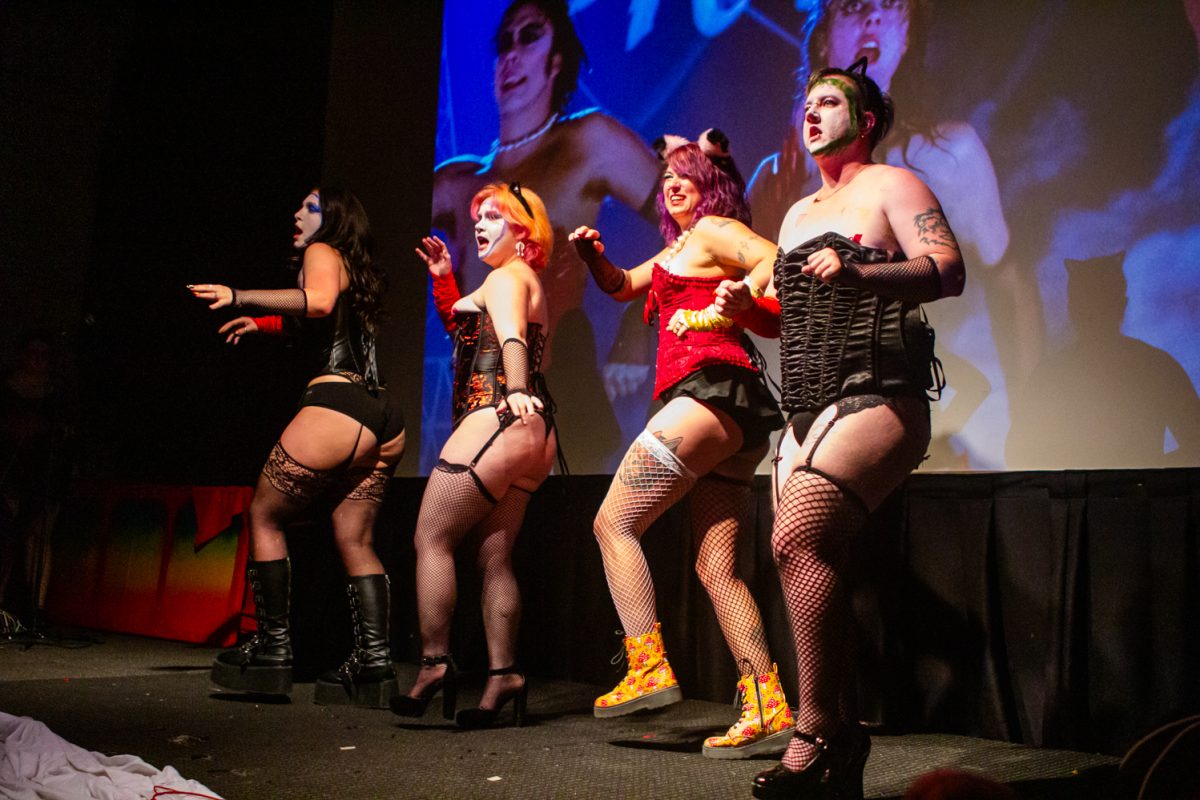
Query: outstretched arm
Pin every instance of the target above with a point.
(321, 278)
(617, 283)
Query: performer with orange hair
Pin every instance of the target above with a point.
(502, 447)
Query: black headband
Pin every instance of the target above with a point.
(515, 188)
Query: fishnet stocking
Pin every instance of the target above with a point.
(815, 524)
(649, 481)
(452, 505)
(501, 596)
(720, 509)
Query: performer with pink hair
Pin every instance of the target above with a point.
(711, 434)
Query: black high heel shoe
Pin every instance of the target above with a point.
(835, 772)
(405, 706)
(485, 717)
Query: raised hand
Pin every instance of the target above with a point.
(436, 256)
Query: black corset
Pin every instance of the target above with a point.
(338, 344)
(837, 341)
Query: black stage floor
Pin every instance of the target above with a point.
(152, 699)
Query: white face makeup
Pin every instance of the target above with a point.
(494, 239)
(523, 49)
(873, 29)
(308, 220)
(681, 197)
(830, 122)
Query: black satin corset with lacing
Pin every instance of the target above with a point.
(837, 341)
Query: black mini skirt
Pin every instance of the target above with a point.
(737, 391)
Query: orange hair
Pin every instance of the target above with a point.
(534, 230)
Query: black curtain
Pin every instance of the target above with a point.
(1052, 609)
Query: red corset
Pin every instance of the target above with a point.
(679, 357)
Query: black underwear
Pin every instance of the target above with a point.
(378, 411)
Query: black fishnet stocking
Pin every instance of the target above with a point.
(815, 524)
(501, 599)
(720, 510)
(649, 481)
(453, 504)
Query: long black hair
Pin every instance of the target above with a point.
(345, 228)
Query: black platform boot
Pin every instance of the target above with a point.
(264, 662)
(368, 677)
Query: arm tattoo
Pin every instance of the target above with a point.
(932, 228)
(722, 223)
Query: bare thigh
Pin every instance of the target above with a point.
(869, 452)
(322, 439)
(522, 454)
(700, 436)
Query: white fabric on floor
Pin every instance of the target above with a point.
(36, 764)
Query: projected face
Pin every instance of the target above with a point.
(830, 116)
(494, 240)
(681, 197)
(308, 220)
(874, 29)
(525, 70)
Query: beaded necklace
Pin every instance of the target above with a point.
(675, 247)
(504, 147)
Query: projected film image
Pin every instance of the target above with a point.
(1062, 139)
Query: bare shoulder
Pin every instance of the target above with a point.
(321, 253)
(712, 226)
(897, 181)
(458, 172)
(597, 129)
(321, 259)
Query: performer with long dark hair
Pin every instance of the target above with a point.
(711, 434)
(502, 448)
(859, 256)
(343, 442)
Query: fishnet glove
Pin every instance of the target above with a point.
(514, 357)
(281, 301)
(914, 281)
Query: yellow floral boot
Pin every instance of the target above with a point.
(766, 724)
(649, 683)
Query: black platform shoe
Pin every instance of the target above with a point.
(264, 663)
(835, 772)
(486, 717)
(367, 679)
(405, 706)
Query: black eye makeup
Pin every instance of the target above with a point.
(526, 35)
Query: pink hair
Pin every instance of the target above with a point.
(720, 194)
